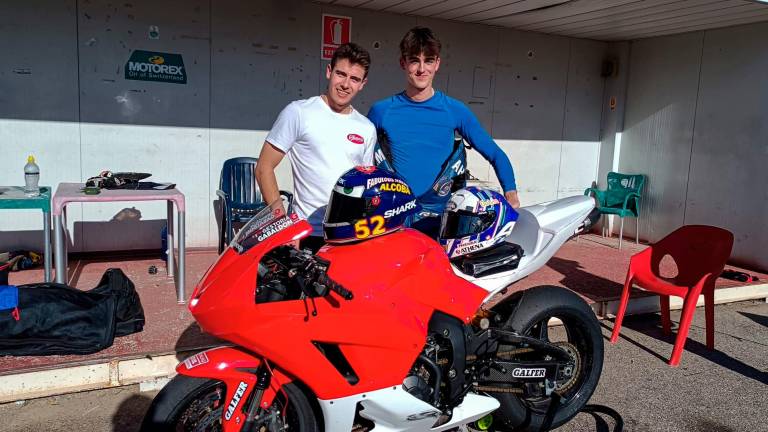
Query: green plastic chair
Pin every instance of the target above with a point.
(622, 198)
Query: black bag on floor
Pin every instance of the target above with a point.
(129, 315)
(58, 319)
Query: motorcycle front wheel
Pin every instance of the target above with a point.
(195, 404)
(579, 335)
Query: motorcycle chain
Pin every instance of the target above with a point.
(574, 353)
(492, 389)
(504, 354)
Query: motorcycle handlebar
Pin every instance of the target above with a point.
(335, 287)
(314, 267)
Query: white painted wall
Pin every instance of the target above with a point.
(613, 116)
(658, 127)
(696, 125)
(63, 97)
(728, 175)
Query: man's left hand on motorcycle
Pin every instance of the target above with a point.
(511, 196)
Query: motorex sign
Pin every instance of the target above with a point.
(155, 66)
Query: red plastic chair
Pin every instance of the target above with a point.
(700, 252)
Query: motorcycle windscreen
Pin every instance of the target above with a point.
(266, 223)
(461, 223)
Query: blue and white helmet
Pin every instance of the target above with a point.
(475, 219)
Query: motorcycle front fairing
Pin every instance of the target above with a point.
(398, 281)
(235, 366)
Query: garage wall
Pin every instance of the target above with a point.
(39, 107)
(63, 97)
(726, 183)
(155, 127)
(658, 127)
(695, 124)
(613, 109)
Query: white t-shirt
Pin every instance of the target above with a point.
(321, 145)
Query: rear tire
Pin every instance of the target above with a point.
(197, 404)
(533, 310)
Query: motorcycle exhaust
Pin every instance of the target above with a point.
(589, 222)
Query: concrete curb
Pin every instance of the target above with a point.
(650, 304)
(153, 372)
(71, 379)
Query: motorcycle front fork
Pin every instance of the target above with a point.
(255, 411)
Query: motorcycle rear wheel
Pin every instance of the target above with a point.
(535, 307)
(196, 405)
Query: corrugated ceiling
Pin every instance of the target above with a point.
(607, 20)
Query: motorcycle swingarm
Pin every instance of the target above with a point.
(512, 338)
(506, 372)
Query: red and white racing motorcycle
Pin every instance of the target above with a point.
(387, 334)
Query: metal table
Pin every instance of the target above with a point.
(14, 198)
(72, 192)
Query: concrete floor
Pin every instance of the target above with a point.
(722, 390)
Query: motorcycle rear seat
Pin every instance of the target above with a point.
(497, 259)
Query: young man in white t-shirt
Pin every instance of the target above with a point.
(323, 136)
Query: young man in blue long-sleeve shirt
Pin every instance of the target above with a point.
(420, 122)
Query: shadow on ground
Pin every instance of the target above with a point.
(650, 325)
(590, 285)
(760, 319)
(129, 414)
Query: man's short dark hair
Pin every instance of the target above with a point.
(354, 53)
(420, 40)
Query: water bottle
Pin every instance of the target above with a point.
(31, 177)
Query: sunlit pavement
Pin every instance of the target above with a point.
(722, 390)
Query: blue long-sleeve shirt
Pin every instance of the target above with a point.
(421, 137)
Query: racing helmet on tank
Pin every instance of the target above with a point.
(475, 219)
(367, 202)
